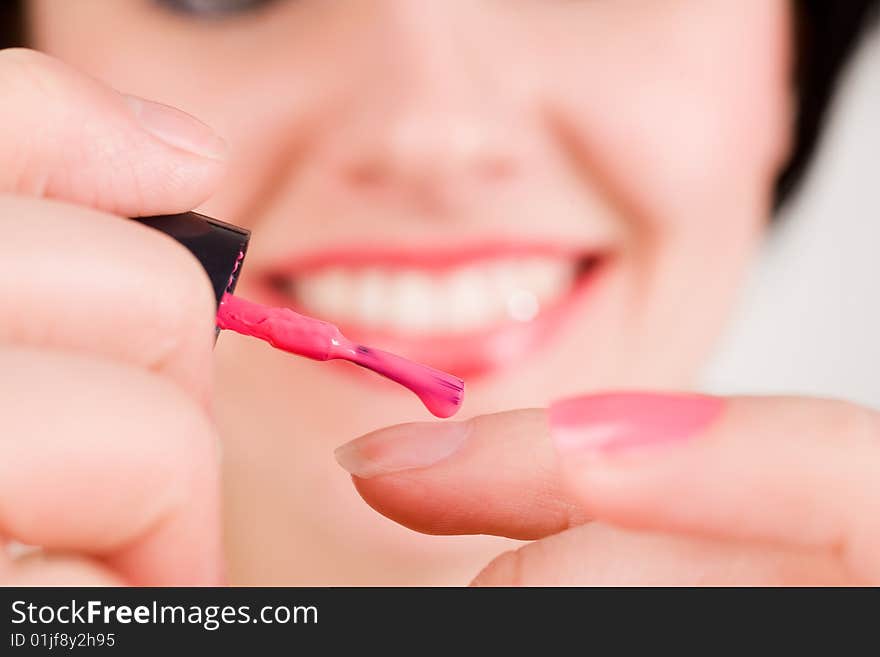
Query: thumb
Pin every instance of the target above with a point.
(66, 136)
(800, 473)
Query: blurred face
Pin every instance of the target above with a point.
(544, 196)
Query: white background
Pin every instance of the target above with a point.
(810, 318)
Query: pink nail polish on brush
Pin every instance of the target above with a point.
(221, 248)
(441, 393)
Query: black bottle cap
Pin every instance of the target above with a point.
(219, 246)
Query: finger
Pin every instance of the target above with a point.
(780, 463)
(109, 461)
(495, 474)
(81, 280)
(795, 472)
(599, 555)
(67, 136)
(57, 570)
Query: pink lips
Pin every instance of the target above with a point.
(468, 354)
(435, 258)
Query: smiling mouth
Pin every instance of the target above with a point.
(467, 311)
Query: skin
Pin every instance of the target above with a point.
(623, 125)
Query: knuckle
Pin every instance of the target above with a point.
(25, 70)
(38, 96)
(20, 59)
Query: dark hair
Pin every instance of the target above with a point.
(827, 34)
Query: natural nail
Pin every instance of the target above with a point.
(624, 421)
(402, 447)
(177, 128)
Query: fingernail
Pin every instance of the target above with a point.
(626, 421)
(402, 447)
(177, 128)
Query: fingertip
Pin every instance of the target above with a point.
(402, 447)
(181, 159)
(493, 474)
(177, 128)
(69, 137)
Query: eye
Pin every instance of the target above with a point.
(213, 8)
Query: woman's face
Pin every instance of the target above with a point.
(545, 196)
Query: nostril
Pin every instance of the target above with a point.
(372, 175)
(429, 155)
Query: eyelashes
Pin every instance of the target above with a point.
(213, 8)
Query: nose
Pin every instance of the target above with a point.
(429, 111)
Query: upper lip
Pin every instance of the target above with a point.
(424, 258)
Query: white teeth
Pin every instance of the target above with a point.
(467, 298)
(370, 292)
(464, 299)
(523, 306)
(327, 292)
(546, 276)
(412, 297)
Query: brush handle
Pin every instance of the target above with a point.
(218, 246)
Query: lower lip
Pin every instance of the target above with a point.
(479, 353)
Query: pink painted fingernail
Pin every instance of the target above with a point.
(402, 447)
(624, 421)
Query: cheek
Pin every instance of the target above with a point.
(684, 118)
(678, 116)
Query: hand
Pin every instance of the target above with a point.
(682, 489)
(108, 459)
